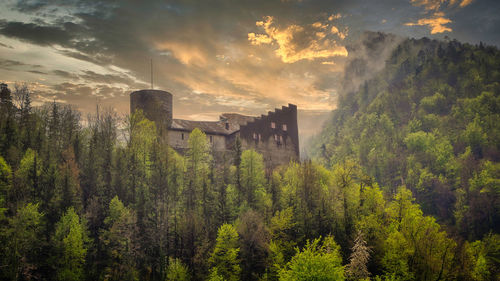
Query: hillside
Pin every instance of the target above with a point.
(429, 120)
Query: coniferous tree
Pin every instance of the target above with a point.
(70, 247)
(120, 241)
(224, 259)
(177, 271)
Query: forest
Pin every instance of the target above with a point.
(403, 183)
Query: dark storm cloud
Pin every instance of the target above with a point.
(104, 78)
(10, 63)
(64, 74)
(98, 59)
(37, 72)
(87, 98)
(40, 35)
(14, 64)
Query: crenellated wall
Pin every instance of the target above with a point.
(274, 135)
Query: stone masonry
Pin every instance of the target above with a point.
(274, 135)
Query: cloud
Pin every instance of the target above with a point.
(6, 46)
(37, 72)
(94, 77)
(8, 64)
(437, 23)
(465, 3)
(85, 97)
(433, 5)
(65, 74)
(435, 17)
(295, 42)
(41, 35)
(184, 52)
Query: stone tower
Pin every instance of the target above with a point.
(155, 104)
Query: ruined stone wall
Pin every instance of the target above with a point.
(275, 136)
(156, 105)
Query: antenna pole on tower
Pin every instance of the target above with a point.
(151, 74)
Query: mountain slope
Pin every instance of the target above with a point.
(430, 120)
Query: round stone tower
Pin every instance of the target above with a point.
(155, 104)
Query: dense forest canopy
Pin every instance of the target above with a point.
(404, 184)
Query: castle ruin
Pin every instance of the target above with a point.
(274, 135)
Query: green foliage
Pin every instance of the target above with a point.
(177, 271)
(254, 241)
(434, 104)
(198, 158)
(409, 233)
(224, 258)
(252, 180)
(410, 123)
(5, 179)
(315, 262)
(119, 238)
(27, 174)
(24, 245)
(69, 242)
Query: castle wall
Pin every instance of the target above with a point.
(179, 140)
(275, 136)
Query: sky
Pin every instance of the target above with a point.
(216, 56)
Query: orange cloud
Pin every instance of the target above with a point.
(297, 42)
(258, 39)
(434, 5)
(437, 24)
(429, 4)
(186, 53)
(465, 3)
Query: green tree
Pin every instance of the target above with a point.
(224, 258)
(120, 241)
(177, 271)
(5, 179)
(315, 262)
(70, 244)
(415, 247)
(282, 244)
(198, 198)
(254, 244)
(198, 158)
(68, 182)
(252, 177)
(24, 243)
(8, 128)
